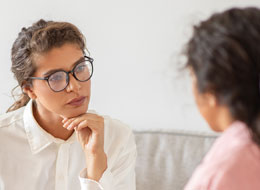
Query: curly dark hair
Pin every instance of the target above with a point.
(35, 40)
(224, 55)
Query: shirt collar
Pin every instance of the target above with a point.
(38, 138)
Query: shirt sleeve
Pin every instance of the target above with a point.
(120, 176)
(88, 184)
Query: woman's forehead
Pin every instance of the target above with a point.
(58, 58)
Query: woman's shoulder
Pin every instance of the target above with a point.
(234, 144)
(232, 163)
(117, 125)
(9, 118)
(118, 132)
(236, 170)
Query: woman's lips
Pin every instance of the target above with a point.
(77, 101)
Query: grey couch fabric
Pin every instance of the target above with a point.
(166, 160)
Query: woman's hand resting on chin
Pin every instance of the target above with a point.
(90, 132)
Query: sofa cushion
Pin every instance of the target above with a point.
(166, 160)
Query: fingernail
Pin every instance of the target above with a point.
(69, 127)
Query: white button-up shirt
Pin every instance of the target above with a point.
(32, 159)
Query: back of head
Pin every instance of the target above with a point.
(36, 40)
(224, 55)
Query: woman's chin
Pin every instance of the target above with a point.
(75, 112)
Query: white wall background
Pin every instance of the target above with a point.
(136, 45)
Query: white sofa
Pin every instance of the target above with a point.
(166, 160)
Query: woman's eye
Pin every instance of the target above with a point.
(80, 68)
(56, 77)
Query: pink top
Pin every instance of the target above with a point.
(233, 163)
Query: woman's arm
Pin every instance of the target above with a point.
(90, 132)
(99, 175)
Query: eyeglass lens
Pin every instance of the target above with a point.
(59, 80)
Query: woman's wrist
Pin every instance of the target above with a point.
(96, 165)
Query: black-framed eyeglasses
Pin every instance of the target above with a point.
(59, 80)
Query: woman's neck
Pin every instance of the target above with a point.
(223, 118)
(51, 122)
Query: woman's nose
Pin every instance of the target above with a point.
(73, 85)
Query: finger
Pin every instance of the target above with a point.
(67, 123)
(64, 120)
(83, 137)
(96, 126)
(94, 116)
(75, 123)
(82, 125)
(63, 117)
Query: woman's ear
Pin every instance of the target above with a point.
(27, 88)
(211, 99)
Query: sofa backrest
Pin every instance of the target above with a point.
(166, 160)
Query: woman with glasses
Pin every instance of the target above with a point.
(49, 138)
(224, 61)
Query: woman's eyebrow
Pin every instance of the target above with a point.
(60, 69)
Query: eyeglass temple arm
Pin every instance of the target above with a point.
(39, 78)
(91, 59)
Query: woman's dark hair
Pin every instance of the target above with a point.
(35, 40)
(224, 55)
